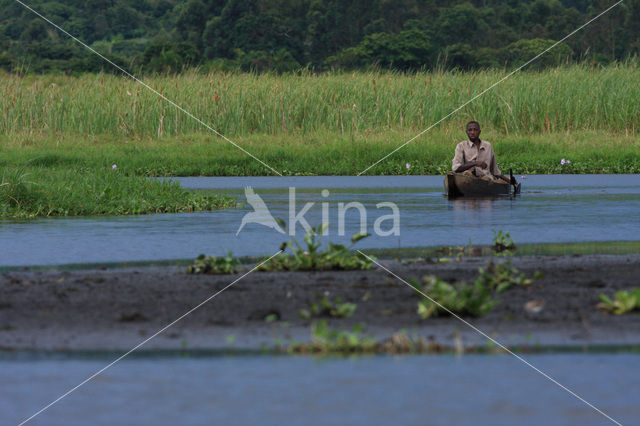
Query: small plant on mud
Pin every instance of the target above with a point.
(213, 265)
(500, 277)
(457, 251)
(624, 301)
(324, 308)
(325, 340)
(310, 258)
(474, 299)
(502, 242)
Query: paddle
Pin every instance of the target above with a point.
(516, 187)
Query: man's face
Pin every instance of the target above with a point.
(473, 132)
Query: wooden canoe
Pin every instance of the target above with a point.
(461, 185)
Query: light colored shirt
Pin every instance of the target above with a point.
(466, 151)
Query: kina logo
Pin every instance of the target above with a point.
(261, 214)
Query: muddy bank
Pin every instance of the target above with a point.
(117, 309)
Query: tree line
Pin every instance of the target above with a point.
(289, 35)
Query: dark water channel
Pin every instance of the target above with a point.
(551, 209)
(267, 390)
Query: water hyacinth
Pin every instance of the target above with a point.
(114, 167)
(563, 162)
(408, 166)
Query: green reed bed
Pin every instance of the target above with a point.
(556, 100)
(306, 124)
(323, 153)
(32, 192)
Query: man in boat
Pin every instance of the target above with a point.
(475, 157)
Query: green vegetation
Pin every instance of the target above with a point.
(327, 340)
(501, 276)
(502, 242)
(624, 301)
(27, 192)
(310, 258)
(322, 124)
(60, 135)
(286, 35)
(213, 265)
(464, 299)
(432, 254)
(474, 299)
(566, 99)
(325, 308)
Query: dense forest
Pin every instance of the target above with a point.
(289, 35)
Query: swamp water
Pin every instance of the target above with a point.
(276, 390)
(551, 209)
(156, 388)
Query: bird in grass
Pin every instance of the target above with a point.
(261, 215)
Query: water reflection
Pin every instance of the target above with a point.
(460, 204)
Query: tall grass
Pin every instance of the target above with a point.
(15, 188)
(556, 100)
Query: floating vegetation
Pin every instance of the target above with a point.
(327, 340)
(213, 265)
(503, 243)
(465, 299)
(474, 299)
(27, 192)
(501, 276)
(311, 258)
(623, 302)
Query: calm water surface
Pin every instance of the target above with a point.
(561, 208)
(443, 389)
(439, 389)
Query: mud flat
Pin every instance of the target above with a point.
(115, 309)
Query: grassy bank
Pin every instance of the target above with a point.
(335, 124)
(60, 135)
(33, 192)
(321, 154)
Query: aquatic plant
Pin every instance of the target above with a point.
(624, 301)
(501, 276)
(213, 265)
(324, 307)
(464, 299)
(36, 191)
(401, 343)
(502, 242)
(458, 251)
(474, 299)
(558, 100)
(324, 340)
(310, 257)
